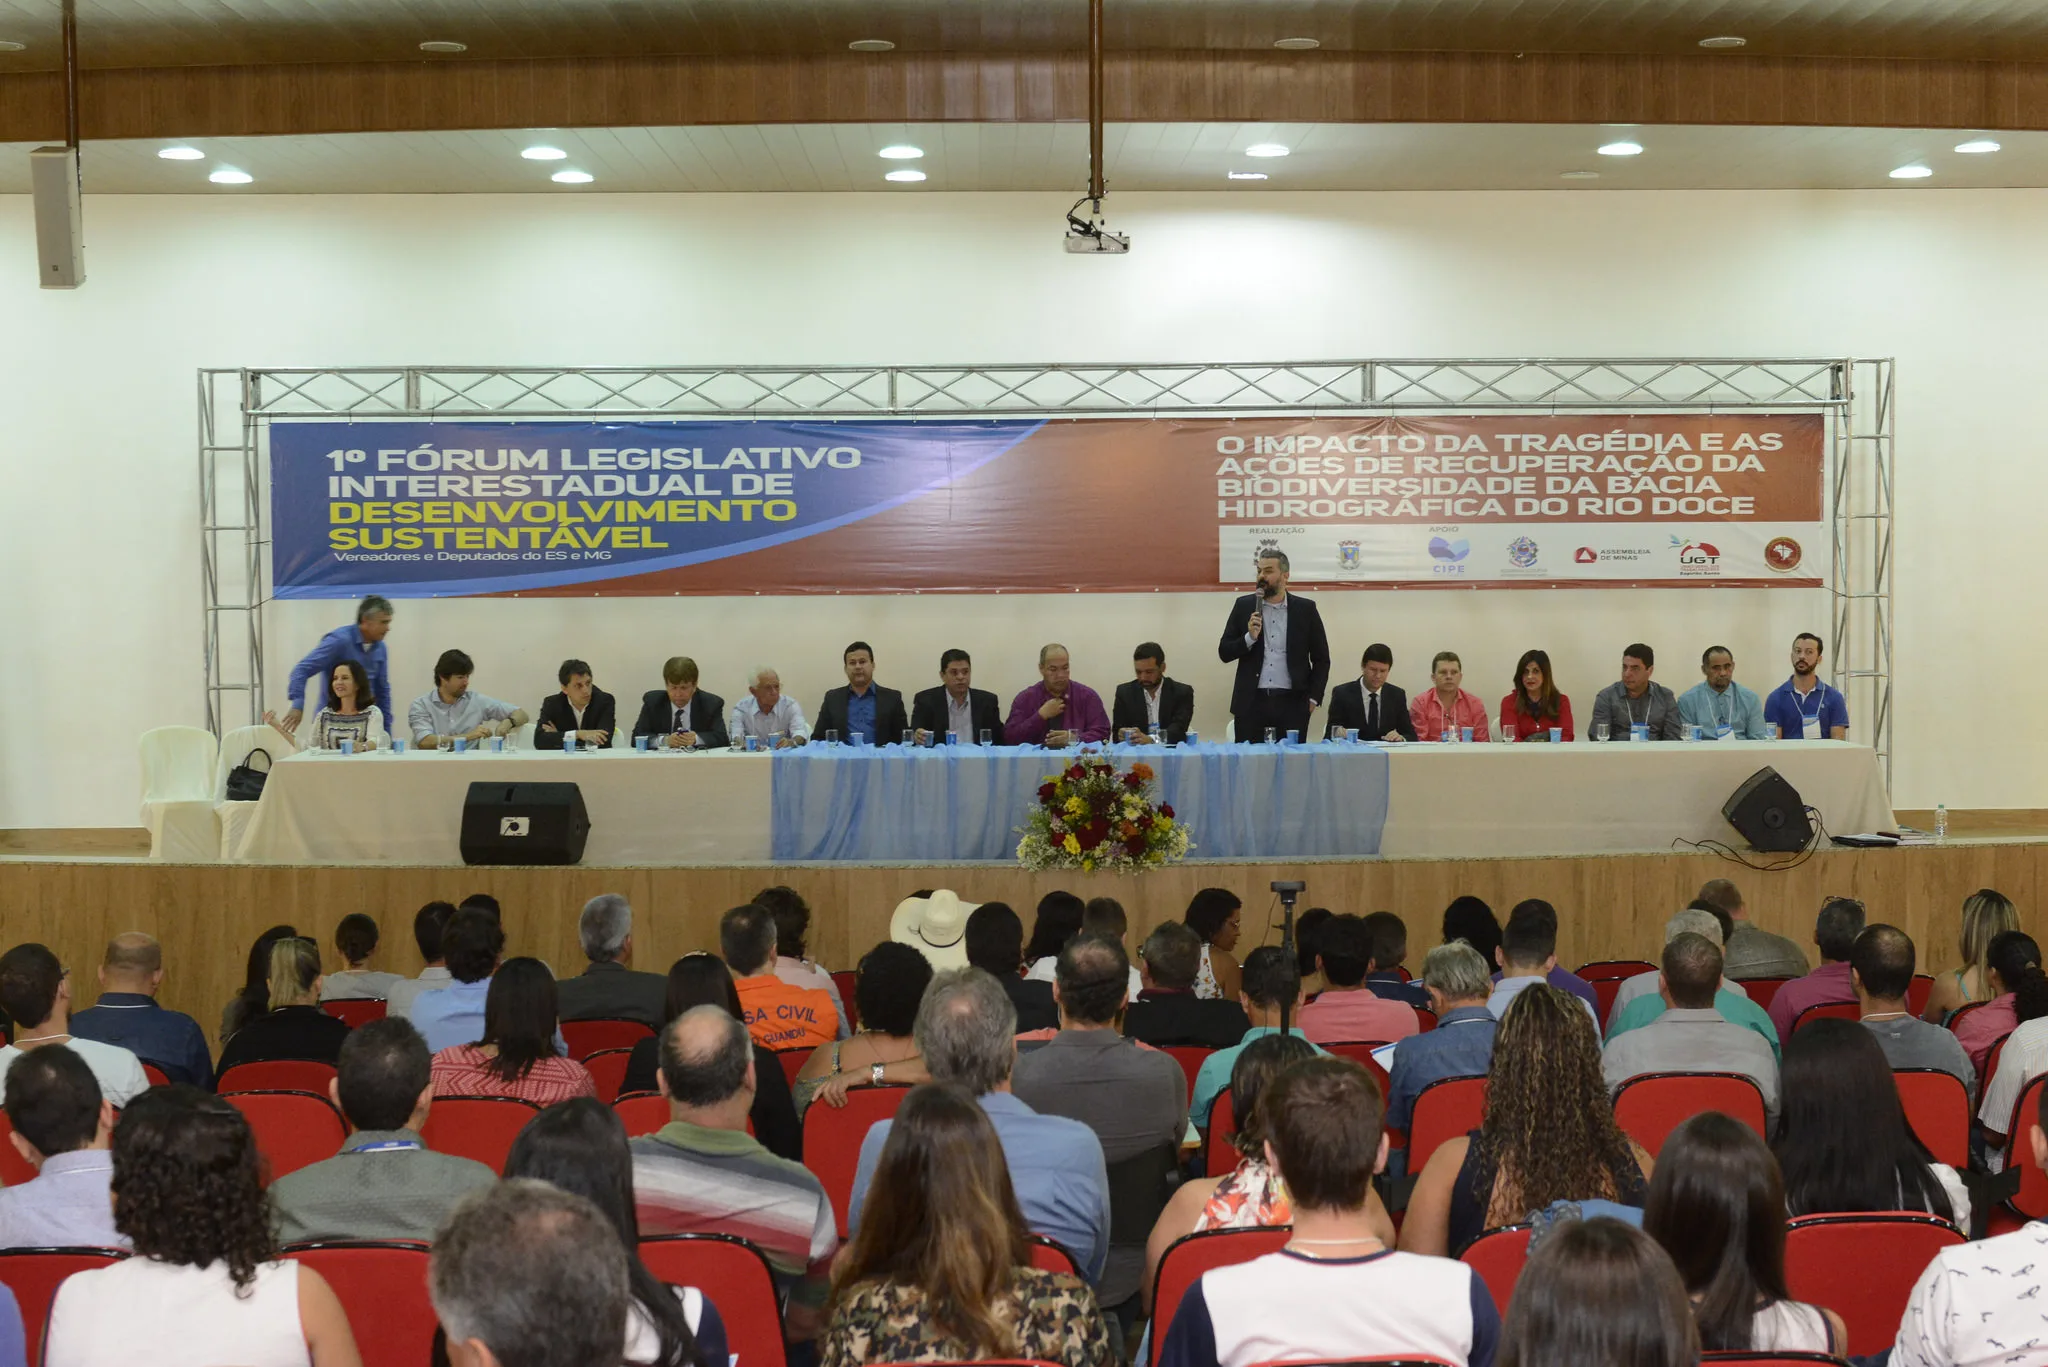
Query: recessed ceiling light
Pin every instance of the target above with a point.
(1580, 175)
(872, 45)
(572, 177)
(901, 151)
(180, 153)
(231, 178)
(1621, 149)
(443, 45)
(1247, 175)
(1267, 149)
(1976, 147)
(7, 46)
(544, 154)
(904, 176)
(1297, 44)
(1725, 40)
(1915, 172)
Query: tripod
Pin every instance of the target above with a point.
(1288, 890)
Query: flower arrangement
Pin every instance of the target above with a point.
(1089, 816)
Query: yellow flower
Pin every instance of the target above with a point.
(1073, 845)
(1076, 806)
(1163, 823)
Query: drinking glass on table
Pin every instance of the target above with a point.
(1152, 732)
(1600, 730)
(831, 738)
(988, 737)
(909, 738)
(1272, 735)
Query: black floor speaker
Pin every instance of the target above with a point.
(1766, 811)
(524, 823)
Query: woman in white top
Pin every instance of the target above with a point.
(206, 1285)
(349, 714)
(1217, 916)
(1717, 1205)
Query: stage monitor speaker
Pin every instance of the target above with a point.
(524, 823)
(60, 227)
(1767, 812)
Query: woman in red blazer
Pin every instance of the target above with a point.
(1535, 706)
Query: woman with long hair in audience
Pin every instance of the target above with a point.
(1986, 916)
(1548, 1133)
(1217, 916)
(516, 1057)
(887, 992)
(1717, 1205)
(580, 1146)
(1599, 1293)
(1843, 1142)
(2013, 960)
(702, 979)
(206, 1285)
(1471, 920)
(294, 1026)
(254, 998)
(940, 1268)
(2024, 1057)
(1057, 921)
(1535, 706)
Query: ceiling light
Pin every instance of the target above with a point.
(7, 46)
(1621, 149)
(1976, 147)
(443, 45)
(905, 176)
(544, 154)
(1247, 175)
(901, 151)
(572, 177)
(1915, 172)
(231, 178)
(1297, 44)
(872, 45)
(1267, 149)
(180, 153)
(1726, 40)
(1580, 175)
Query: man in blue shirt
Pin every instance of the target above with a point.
(363, 643)
(1462, 1043)
(127, 1013)
(863, 707)
(1804, 706)
(1270, 979)
(1722, 708)
(452, 1015)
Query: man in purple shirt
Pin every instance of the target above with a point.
(1835, 931)
(1056, 710)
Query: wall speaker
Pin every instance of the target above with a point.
(524, 823)
(60, 225)
(1766, 811)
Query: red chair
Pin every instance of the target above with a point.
(1955, 1016)
(1218, 1154)
(1360, 1052)
(277, 1075)
(357, 1012)
(793, 1061)
(1838, 1011)
(34, 1274)
(1048, 1256)
(1497, 1257)
(157, 1076)
(1863, 1267)
(1425, 1020)
(833, 1135)
(383, 1289)
(1763, 990)
(14, 1169)
(1917, 994)
(735, 1276)
(845, 980)
(293, 1129)
(479, 1127)
(1774, 1359)
(1404, 1360)
(1449, 1108)
(1937, 1108)
(1649, 1107)
(1605, 977)
(1191, 1255)
(608, 1070)
(2031, 1200)
(1190, 1057)
(585, 1038)
(643, 1112)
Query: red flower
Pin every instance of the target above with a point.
(1048, 791)
(1133, 782)
(1077, 773)
(1089, 838)
(1135, 846)
(1166, 809)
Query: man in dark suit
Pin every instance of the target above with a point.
(1152, 699)
(609, 989)
(955, 706)
(1369, 705)
(862, 706)
(1168, 1013)
(679, 715)
(581, 707)
(1282, 655)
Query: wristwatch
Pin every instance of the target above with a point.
(875, 1075)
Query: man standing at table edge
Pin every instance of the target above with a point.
(1722, 708)
(1828, 716)
(679, 715)
(581, 707)
(1636, 701)
(363, 643)
(1151, 699)
(1056, 710)
(1369, 705)
(1281, 686)
(956, 705)
(863, 706)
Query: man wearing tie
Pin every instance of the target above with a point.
(1369, 705)
(1152, 700)
(581, 707)
(680, 715)
(1282, 655)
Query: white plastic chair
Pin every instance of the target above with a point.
(1230, 731)
(235, 749)
(178, 794)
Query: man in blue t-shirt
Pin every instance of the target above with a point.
(1805, 707)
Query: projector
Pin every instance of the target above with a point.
(1098, 242)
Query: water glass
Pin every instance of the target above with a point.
(1557, 735)
(1638, 731)
(1272, 735)
(1155, 734)
(640, 743)
(1770, 730)
(1600, 731)
(1191, 739)
(952, 738)
(774, 740)
(497, 745)
(1465, 734)
(1692, 731)
(831, 738)
(346, 745)
(461, 744)
(1294, 737)
(753, 744)
(398, 744)
(909, 738)
(988, 737)
(860, 739)
(568, 742)
(1504, 735)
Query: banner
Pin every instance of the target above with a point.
(1097, 505)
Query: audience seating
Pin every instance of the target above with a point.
(1648, 1108)
(1402, 1360)
(355, 1012)
(844, 980)
(1918, 992)
(1193, 1254)
(1218, 1155)
(293, 1129)
(1449, 1108)
(1190, 1058)
(643, 1112)
(1991, 1059)
(1775, 1359)
(34, 1274)
(157, 1076)
(2031, 1200)
(1497, 1256)
(607, 1069)
(585, 1038)
(1863, 1267)
(383, 1288)
(1763, 990)
(1840, 1011)
(1938, 1108)
(1050, 1256)
(1957, 1015)
(734, 1276)
(1605, 977)
(1360, 1053)
(277, 1075)
(1425, 1020)
(14, 1169)
(793, 1061)
(833, 1135)
(479, 1127)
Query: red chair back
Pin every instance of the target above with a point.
(277, 1075)
(1605, 977)
(1218, 1156)
(607, 1068)
(1360, 1052)
(1403, 1360)
(14, 1169)
(845, 980)
(293, 1129)
(1763, 991)
(734, 1276)
(585, 1038)
(1048, 1256)
(1190, 1256)
(1824, 1011)
(1773, 1359)
(1991, 1058)
(355, 1012)
(1938, 1108)
(1497, 1257)
(1648, 1108)
(2031, 1200)
(643, 1112)
(793, 1061)
(383, 1288)
(1425, 1020)
(479, 1127)
(34, 1274)
(157, 1076)
(1863, 1267)
(1190, 1058)
(1955, 1017)
(833, 1135)
(1918, 992)
(1449, 1108)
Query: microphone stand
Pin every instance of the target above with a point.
(1288, 890)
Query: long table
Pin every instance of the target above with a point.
(845, 804)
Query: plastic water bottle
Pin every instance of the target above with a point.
(1940, 821)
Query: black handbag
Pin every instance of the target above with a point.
(245, 780)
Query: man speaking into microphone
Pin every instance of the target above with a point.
(1283, 658)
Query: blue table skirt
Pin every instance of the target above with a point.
(892, 803)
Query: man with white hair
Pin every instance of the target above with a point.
(527, 1273)
(773, 718)
(608, 989)
(1640, 1001)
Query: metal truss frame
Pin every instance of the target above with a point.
(236, 407)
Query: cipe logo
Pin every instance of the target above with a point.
(1448, 555)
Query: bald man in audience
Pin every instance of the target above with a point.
(127, 1013)
(35, 992)
(1881, 971)
(1691, 1036)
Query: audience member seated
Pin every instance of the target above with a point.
(63, 1128)
(891, 983)
(1599, 1292)
(1389, 951)
(1717, 1205)
(1750, 951)
(206, 1285)
(1548, 1134)
(355, 939)
(1462, 1043)
(128, 1014)
(429, 929)
(1986, 916)
(1308, 929)
(385, 1183)
(1881, 971)
(1843, 1143)
(1348, 1009)
(1217, 916)
(35, 993)
(1691, 1036)
(580, 1147)
(1701, 917)
(528, 1274)
(1535, 706)
(516, 1056)
(792, 951)
(703, 1173)
(995, 944)
(966, 1034)
(610, 989)
(1271, 983)
(1335, 1291)
(2024, 1058)
(1056, 921)
(940, 1268)
(1834, 931)
(1528, 956)
(1167, 1012)
(1730, 1001)
(254, 998)
(295, 1027)
(702, 979)
(1102, 917)
(1469, 919)
(2013, 961)
(473, 944)
(778, 1016)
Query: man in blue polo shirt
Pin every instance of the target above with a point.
(1805, 707)
(363, 643)
(127, 1013)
